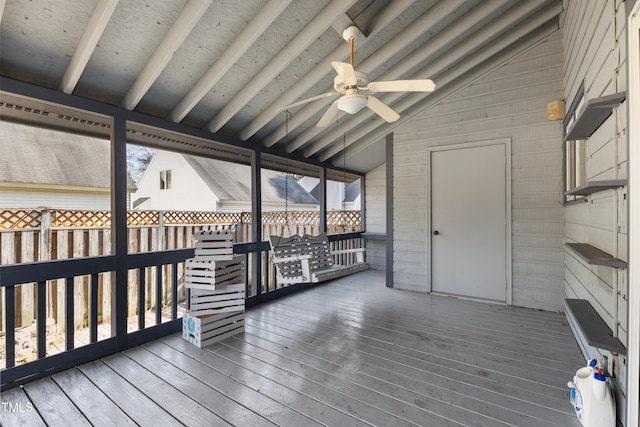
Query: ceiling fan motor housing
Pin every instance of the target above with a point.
(340, 86)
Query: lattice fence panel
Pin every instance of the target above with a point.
(291, 217)
(343, 218)
(176, 217)
(142, 218)
(19, 219)
(64, 219)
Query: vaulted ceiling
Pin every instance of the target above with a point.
(226, 66)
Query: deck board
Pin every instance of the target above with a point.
(348, 352)
(54, 406)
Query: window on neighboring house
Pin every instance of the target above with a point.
(575, 158)
(165, 180)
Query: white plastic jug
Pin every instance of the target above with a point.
(592, 398)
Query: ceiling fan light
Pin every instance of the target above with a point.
(352, 103)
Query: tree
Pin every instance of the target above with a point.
(138, 159)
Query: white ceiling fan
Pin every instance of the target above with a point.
(356, 89)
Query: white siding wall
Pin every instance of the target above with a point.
(55, 200)
(376, 222)
(187, 191)
(595, 52)
(508, 103)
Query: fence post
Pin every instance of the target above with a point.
(44, 249)
(160, 241)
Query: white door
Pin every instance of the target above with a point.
(469, 221)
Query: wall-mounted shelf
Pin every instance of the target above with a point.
(594, 329)
(595, 186)
(594, 114)
(595, 256)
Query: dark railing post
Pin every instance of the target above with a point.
(174, 291)
(389, 212)
(256, 217)
(41, 306)
(119, 302)
(69, 308)
(323, 200)
(141, 297)
(159, 280)
(10, 309)
(93, 309)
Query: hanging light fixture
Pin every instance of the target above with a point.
(352, 103)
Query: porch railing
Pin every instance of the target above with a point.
(137, 264)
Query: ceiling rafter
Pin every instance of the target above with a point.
(87, 44)
(414, 30)
(531, 40)
(221, 65)
(480, 62)
(300, 88)
(279, 62)
(174, 38)
(131, 55)
(436, 64)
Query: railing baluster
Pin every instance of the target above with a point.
(41, 307)
(93, 309)
(159, 268)
(174, 291)
(10, 310)
(69, 308)
(141, 297)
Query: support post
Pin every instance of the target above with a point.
(256, 219)
(119, 302)
(323, 200)
(389, 212)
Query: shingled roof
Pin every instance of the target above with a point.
(32, 155)
(232, 181)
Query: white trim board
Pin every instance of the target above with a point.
(633, 100)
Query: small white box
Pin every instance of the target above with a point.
(211, 275)
(205, 330)
(227, 299)
(214, 245)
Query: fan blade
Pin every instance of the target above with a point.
(346, 72)
(329, 115)
(382, 109)
(304, 101)
(424, 85)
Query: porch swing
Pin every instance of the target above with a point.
(308, 259)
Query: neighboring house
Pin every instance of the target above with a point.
(340, 196)
(183, 182)
(45, 168)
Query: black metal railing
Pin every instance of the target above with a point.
(261, 273)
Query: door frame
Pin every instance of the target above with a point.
(506, 142)
(633, 168)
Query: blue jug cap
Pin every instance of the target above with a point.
(599, 377)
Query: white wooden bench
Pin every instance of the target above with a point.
(309, 259)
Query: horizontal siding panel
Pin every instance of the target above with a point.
(523, 173)
(538, 268)
(553, 228)
(542, 185)
(535, 254)
(536, 200)
(538, 213)
(533, 241)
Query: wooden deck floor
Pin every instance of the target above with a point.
(347, 353)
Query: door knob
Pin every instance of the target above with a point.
(436, 232)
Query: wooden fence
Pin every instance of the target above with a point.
(31, 235)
